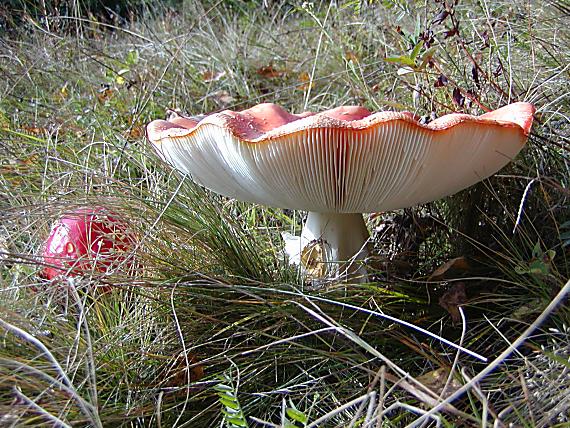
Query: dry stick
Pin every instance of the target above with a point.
(497, 361)
(341, 409)
(159, 409)
(370, 407)
(373, 405)
(527, 398)
(288, 339)
(412, 409)
(265, 423)
(482, 398)
(425, 397)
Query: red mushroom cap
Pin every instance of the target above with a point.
(343, 160)
(85, 240)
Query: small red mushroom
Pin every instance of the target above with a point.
(84, 241)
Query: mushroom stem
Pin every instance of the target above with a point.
(343, 239)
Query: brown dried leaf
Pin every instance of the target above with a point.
(350, 56)
(270, 72)
(177, 373)
(376, 87)
(450, 33)
(134, 133)
(452, 299)
(212, 76)
(104, 93)
(441, 81)
(35, 130)
(456, 265)
(305, 80)
(428, 398)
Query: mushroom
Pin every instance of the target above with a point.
(339, 163)
(83, 241)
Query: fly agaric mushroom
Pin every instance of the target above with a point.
(83, 241)
(340, 163)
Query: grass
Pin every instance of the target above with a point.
(208, 325)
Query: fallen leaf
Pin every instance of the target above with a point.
(423, 396)
(104, 93)
(35, 130)
(452, 299)
(376, 87)
(269, 72)
(456, 265)
(305, 80)
(134, 133)
(350, 56)
(450, 33)
(212, 76)
(176, 374)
